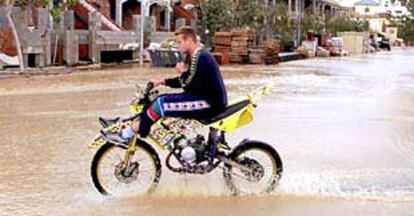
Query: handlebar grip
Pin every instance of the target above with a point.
(150, 86)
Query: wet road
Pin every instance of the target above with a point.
(343, 126)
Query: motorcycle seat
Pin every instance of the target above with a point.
(231, 109)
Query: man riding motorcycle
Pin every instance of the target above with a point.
(204, 91)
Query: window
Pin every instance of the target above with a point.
(367, 10)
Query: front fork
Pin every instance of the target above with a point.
(132, 147)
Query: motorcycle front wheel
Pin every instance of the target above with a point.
(111, 176)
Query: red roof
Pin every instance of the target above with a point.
(183, 13)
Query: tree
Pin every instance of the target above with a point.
(246, 13)
(406, 30)
(215, 15)
(276, 22)
(311, 22)
(341, 24)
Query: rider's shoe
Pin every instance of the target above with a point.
(107, 122)
(114, 137)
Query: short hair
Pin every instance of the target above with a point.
(187, 32)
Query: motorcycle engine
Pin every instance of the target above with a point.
(190, 151)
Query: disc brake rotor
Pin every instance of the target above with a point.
(127, 175)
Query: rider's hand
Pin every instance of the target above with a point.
(158, 82)
(180, 67)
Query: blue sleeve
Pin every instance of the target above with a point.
(173, 82)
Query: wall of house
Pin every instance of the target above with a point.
(391, 33)
(7, 41)
(368, 10)
(104, 6)
(129, 9)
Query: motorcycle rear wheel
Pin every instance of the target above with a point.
(265, 167)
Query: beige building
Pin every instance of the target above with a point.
(368, 8)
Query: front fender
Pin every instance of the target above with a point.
(97, 142)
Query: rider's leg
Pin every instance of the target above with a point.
(180, 105)
(141, 125)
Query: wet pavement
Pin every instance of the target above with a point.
(344, 128)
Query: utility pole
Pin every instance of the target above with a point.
(299, 19)
(141, 39)
(144, 9)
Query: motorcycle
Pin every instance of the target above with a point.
(192, 146)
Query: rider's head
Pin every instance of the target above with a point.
(186, 38)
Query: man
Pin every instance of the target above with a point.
(204, 91)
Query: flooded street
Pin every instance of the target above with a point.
(344, 128)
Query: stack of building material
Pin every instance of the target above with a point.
(222, 47)
(222, 59)
(272, 50)
(311, 47)
(275, 45)
(222, 42)
(354, 42)
(256, 56)
(242, 40)
(322, 52)
(335, 45)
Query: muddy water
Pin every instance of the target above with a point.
(343, 126)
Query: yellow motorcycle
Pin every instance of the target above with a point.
(193, 146)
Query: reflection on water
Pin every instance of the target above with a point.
(343, 126)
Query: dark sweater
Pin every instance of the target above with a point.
(203, 78)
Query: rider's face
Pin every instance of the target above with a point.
(184, 44)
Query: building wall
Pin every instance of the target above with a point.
(376, 24)
(105, 7)
(7, 41)
(391, 33)
(7, 44)
(368, 10)
(130, 9)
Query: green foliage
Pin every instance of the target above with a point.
(406, 30)
(55, 13)
(312, 22)
(246, 13)
(27, 3)
(276, 21)
(215, 15)
(342, 24)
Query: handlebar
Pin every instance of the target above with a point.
(149, 87)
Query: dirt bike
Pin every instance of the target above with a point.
(193, 146)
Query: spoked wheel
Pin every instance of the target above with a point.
(111, 176)
(257, 170)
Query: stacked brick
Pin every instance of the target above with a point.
(241, 41)
(222, 47)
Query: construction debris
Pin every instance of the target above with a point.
(241, 41)
(222, 47)
(222, 58)
(222, 42)
(9, 60)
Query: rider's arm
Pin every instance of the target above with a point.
(173, 82)
(185, 79)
